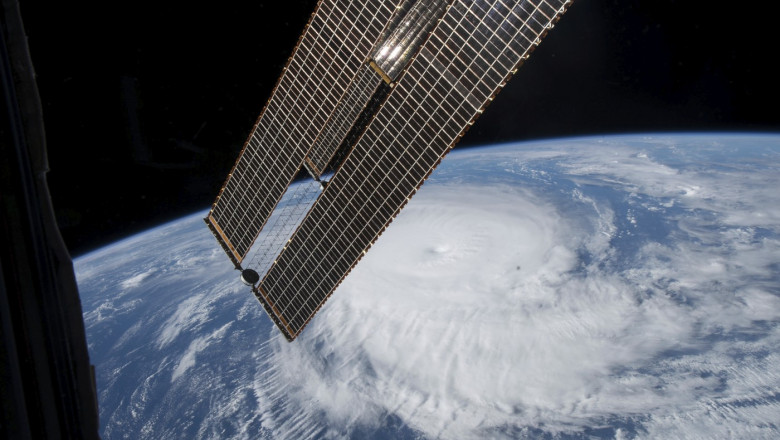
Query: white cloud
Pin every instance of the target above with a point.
(135, 280)
(197, 345)
(190, 313)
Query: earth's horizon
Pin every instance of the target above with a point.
(619, 286)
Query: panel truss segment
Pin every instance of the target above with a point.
(469, 56)
(342, 119)
(335, 43)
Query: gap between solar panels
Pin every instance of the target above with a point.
(292, 208)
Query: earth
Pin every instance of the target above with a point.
(596, 287)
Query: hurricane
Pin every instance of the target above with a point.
(608, 287)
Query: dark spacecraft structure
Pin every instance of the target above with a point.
(374, 95)
(47, 383)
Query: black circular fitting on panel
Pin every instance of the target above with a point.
(249, 277)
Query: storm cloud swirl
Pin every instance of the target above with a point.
(616, 287)
(563, 288)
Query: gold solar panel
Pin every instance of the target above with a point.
(431, 72)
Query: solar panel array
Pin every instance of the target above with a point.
(334, 45)
(469, 56)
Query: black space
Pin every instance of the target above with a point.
(147, 104)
